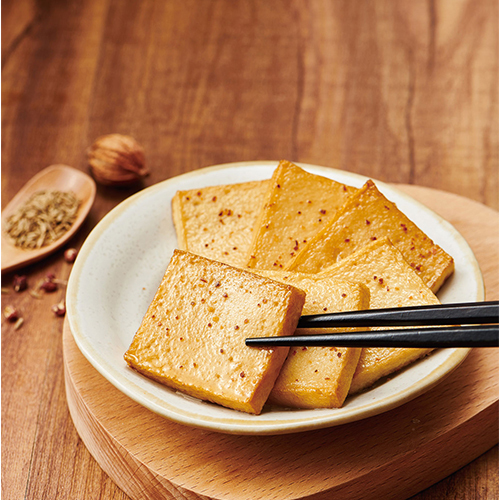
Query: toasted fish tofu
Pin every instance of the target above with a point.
(297, 205)
(192, 337)
(392, 282)
(319, 377)
(367, 216)
(218, 221)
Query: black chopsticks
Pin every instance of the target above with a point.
(478, 328)
(461, 336)
(441, 314)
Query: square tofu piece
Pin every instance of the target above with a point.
(297, 205)
(192, 337)
(218, 221)
(381, 267)
(367, 216)
(319, 377)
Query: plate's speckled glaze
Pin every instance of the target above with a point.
(123, 260)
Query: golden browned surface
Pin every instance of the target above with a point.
(297, 205)
(367, 216)
(218, 221)
(319, 377)
(402, 91)
(192, 337)
(381, 267)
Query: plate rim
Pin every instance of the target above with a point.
(248, 426)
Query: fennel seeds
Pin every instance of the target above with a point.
(43, 219)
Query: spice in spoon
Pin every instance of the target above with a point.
(43, 219)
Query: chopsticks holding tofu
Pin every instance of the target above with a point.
(436, 314)
(478, 327)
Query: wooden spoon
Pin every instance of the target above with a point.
(55, 177)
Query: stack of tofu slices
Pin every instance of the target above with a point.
(252, 258)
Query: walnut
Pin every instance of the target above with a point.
(117, 160)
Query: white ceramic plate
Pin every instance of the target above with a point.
(123, 261)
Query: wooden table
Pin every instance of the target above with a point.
(402, 91)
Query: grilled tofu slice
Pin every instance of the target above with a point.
(192, 337)
(297, 205)
(365, 217)
(218, 221)
(392, 282)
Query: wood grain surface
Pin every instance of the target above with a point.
(389, 456)
(399, 90)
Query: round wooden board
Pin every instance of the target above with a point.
(392, 456)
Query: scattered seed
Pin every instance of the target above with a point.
(11, 313)
(48, 286)
(59, 309)
(20, 283)
(34, 294)
(18, 323)
(70, 255)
